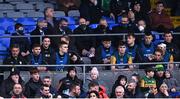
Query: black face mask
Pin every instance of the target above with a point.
(64, 28)
(102, 26)
(20, 32)
(83, 26)
(44, 28)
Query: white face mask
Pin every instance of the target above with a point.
(141, 28)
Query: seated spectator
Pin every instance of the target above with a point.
(63, 27)
(90, 10)
(94, 76)
(34, 84)
(47, 80)
(93, 95)
(163, 91)
(171, 45)
(23, 42)
(86, 45)
(74, 91)
(120, 57)
(136, 78)
(159, 19)
(44, 92)
(146, 48)
(70, 41)
(142, 27)
(41, 29)
(132, 91)
(132, 47)
(123, 26)
(148, 81)
(8, 84)
(94, 86)
(52, 25)
(36, 58)
(47, 51)
(66, 82)
(166, 55)
(171, 82)
(159, 75)
(139, 11)
(119, 92)
(17, 91)
(15, 58)
(121, 81)
(118, 7)
(104, 51)
(63, 57)
(102, 28)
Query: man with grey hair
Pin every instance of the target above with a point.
(119, 92)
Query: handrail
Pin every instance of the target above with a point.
(78, 65)
(75, 35)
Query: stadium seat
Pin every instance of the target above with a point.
(35, 14)
(112, 25)
(72, 27)
(33, 1)
(10, 29)
(1, 1)
(29, 29)
(93, 26)
(26, 21)
(5, 22)
(24, 6)
(5, 42)
(59, 14)
(15, 14)
(14, 0)
(119, 19)
(6, 7)
(2, 30)
(74, 13)
(42, 6)
(1, 14)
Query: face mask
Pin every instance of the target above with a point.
(102, 26)
(64, 28)
(44, 28)
(83, 26)
(20, 32)
(141, 28)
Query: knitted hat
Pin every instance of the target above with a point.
(159, 67)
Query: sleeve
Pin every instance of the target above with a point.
(142, 83)
(113, 60)
(27, 90)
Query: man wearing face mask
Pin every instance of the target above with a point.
(23, 42)
(102, 28)
(63, 27)
(85, 45)
(41, 29)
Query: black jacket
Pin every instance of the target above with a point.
(48, 55)
(84, 42)
(12, 61)
(32, 87)
(7, 86)
(90, 12)
(23, 42)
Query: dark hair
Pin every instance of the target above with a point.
(95, 92)
(121, 43)
(66, 37)
(119, 78)
(42, 87)
(106, 39)
(34, 70)
(159, 2)
(73, 86)
(149, 70)
(46, 77)
(14, 46)
(62, 43)
(148, 33)
(93, 84)
(131, 34)
(36, 45)
(46, 37)
(71, 68)
(17, 25)
(47, 8)
(167, 32)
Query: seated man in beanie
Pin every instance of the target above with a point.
(159, 75)
(8, 84)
